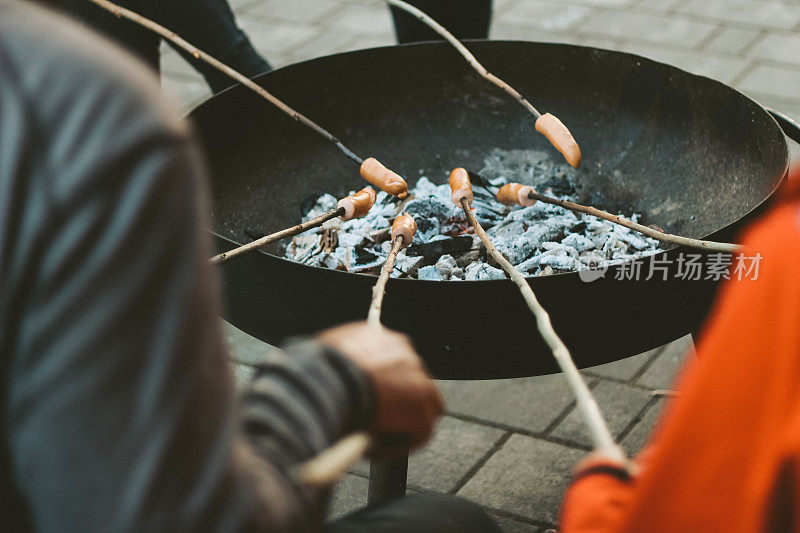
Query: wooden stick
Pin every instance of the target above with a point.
(225, 69)
(480, 69)
(600, 434)
(650, 232)
(278, 235)
(374, 315)
(331, 464)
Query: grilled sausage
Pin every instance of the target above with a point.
(374, 172)
(406, 226)
(358, 204)
(516, 193)
(460, 186)
(560, 137)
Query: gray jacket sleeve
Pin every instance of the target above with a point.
(120, 412)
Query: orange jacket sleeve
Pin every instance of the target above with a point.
(724, 455)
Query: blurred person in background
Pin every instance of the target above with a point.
(119, 410)
(208, 24)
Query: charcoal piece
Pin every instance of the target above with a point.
(429, 273)
(435, 249)
(446, 265)
(506, 230)
(558, 262)
(322, 204)
(427, 228)
(302, 244)
(467, 258)
(483, 271)
(638, 243)
(559, 186)
(351, 239)
(405, 266)
(429, 207)
(363, 256)
(518, 249)
(579, 242)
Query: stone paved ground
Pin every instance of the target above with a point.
(510, 444)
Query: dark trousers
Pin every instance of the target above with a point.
(207, 24)
(427, 513)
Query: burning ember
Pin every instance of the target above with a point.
(539, 240)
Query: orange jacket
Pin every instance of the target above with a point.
(726, 454)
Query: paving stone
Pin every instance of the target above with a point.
(731, 40)
(784, 48)
(325, 43)
(722, 67)
(173, 63)
(275, 37)
(772, 81)
(239, 6)
(308, 12)
(647, 27)
(518, 33)
(454, 449)
(507, 525)
(619, 403)
(348, 495)
(549, 15)
(624, 369)
(605, 3)
(362, 19)
(527, 477)
(659, 6)
(640, 433)
(661, 373)
(765, 14)
(186, 92)
(526, 403)
(244, 348)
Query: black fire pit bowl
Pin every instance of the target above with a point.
(695, 156)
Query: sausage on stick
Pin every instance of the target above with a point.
(331, 464)
(548, 125)
(602, 440)
(515, 193)
(394, 184)
(354, 206)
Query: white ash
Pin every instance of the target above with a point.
(540, 240)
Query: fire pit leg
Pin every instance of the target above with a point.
(387, 481)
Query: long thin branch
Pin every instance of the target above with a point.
(374, 315)
(327, 467)
(601, 436)
(650, 232)
(480, 69)
(278, 235)
(225, 69)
